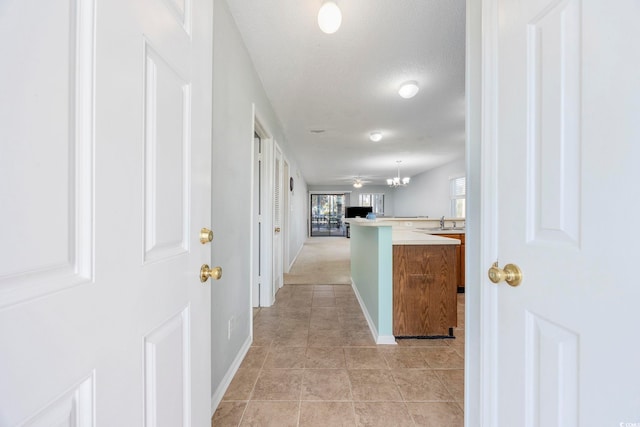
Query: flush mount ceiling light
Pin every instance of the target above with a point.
(329, 17)
(396, 181)
(375, 136)
(357, 183)
(408, 89)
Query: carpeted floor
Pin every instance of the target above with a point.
(322, 261)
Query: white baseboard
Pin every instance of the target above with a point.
(296, 257)
(380, 339)
(224, 384)
(386, 340)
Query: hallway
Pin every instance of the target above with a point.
(313, 362)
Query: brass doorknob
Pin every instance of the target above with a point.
(206, 272)
(510, 274)
(206, 235)
(277, 229)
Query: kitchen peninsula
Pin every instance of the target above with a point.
(405, 278)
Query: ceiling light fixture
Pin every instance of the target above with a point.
(375, 136)
(408, 89)
(396, 181)
(329, 17)
(357, 183)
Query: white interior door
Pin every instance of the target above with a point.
(105, 161)
(277, 221)
(286, 212)
(258, 231)
(561, 152)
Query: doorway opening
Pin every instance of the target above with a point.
(327, 215)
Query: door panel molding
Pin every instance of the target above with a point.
(552, 373)
(51, 235)
(553, 116)
(167, 355)
(167, 167)
(181, 11)
(73, 408)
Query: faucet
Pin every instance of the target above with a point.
(442, 222)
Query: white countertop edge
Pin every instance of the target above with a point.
(407, 237)
(411, 236)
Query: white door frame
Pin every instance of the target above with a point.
(277, 243)
(259, 246)
(480, 308)
(266, 242)
(478, 383)
(482, 198)
(286, 214)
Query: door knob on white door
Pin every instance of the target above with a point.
(206, 236)
(206, 272)
(277, 229)
(510, 274)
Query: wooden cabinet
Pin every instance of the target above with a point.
(424, 290)
(460, 258)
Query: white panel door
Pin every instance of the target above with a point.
(258, 231)
(105, 181)
(561, 153)
(277, 222)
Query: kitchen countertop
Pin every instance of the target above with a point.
(413, 236)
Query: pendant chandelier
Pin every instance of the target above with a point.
(397, 181)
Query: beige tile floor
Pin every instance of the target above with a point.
(314, 363)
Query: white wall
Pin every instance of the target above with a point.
(236, 89)
(298, 214)
(428, 193)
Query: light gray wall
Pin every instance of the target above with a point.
(297, 216)
(236, 88)
(428, 193)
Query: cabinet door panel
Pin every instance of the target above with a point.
(424, 283)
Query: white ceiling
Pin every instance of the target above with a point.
(346, 83)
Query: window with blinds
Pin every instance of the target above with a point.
(375, 200)
(458, 197)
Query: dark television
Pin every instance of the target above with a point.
(355, 211)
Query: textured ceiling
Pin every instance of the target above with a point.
(346, 83)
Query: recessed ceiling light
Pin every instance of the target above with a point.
(329, 17)
(408, 89)
(375, 136)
